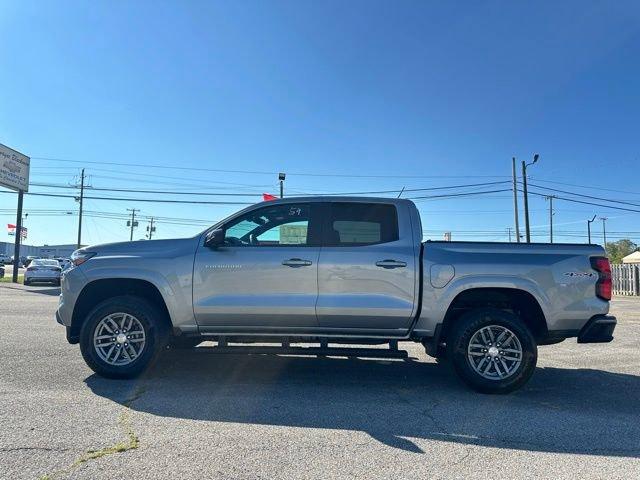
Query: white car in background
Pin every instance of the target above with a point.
(43, 270)
(64, 263)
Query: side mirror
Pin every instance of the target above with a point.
(215, 238)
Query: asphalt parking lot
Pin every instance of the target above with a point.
(256, 417)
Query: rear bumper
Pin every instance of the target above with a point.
(42, 276)
(599, 329)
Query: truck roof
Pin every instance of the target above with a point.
(339, 198)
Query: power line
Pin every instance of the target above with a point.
(590, 187)
(257, 172)
(202, 202)
(152, 200)
(451, 195)
(137, 190)
(586, 196)
(182, 192)
(587, 203)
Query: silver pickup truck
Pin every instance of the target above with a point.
(293, 276)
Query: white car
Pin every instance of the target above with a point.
(43, 270)
(64, 263)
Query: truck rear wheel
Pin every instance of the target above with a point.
(492, 350)
(121, 336)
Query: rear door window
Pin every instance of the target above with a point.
(356, 224)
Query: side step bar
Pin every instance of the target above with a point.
(317, 351)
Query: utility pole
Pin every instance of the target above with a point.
(150, 228)
(526, 195)
(515, 200)
(604, 231)
(589, 222)
(550, 198)
(281, 177)
(16, 247)
(79, 244)
(132, 223)
(509, 230)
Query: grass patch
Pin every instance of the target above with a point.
(130, 443)
(8, 278)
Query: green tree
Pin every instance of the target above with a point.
(617, 250)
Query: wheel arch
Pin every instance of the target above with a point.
(518, 301)
(97, 291)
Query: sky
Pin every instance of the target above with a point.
(359, 96)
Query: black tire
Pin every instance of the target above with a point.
(151, 319)
(27, 283)
(463, 331)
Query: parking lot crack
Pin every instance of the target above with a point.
(40, 449)
(131, 441)
(425, 412)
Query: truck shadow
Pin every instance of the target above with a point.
(397, 402)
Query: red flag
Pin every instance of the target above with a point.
(267, 196)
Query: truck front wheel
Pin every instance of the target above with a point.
(492, 350)
(121, 336)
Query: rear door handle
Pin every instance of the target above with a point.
(391, 264)
(296, 262)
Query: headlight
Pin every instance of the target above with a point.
(80, 256)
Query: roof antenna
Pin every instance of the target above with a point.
(400, 194)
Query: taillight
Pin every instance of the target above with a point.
(604, 283)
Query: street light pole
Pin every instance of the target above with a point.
(526, 195)
(281, 177)
(589, 222)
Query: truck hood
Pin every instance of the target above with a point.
(145, 248)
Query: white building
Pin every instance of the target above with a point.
(46, 251)
(632, 258)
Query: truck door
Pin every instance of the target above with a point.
(265, 274)
(367, 273)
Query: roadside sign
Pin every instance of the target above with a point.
(11, 230)
(14, 169)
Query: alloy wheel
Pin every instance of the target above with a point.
(494, 352)
(119, 338)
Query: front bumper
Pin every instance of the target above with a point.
(71, 338)
(599, 329)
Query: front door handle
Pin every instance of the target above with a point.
(391, 264)
(296, 262)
